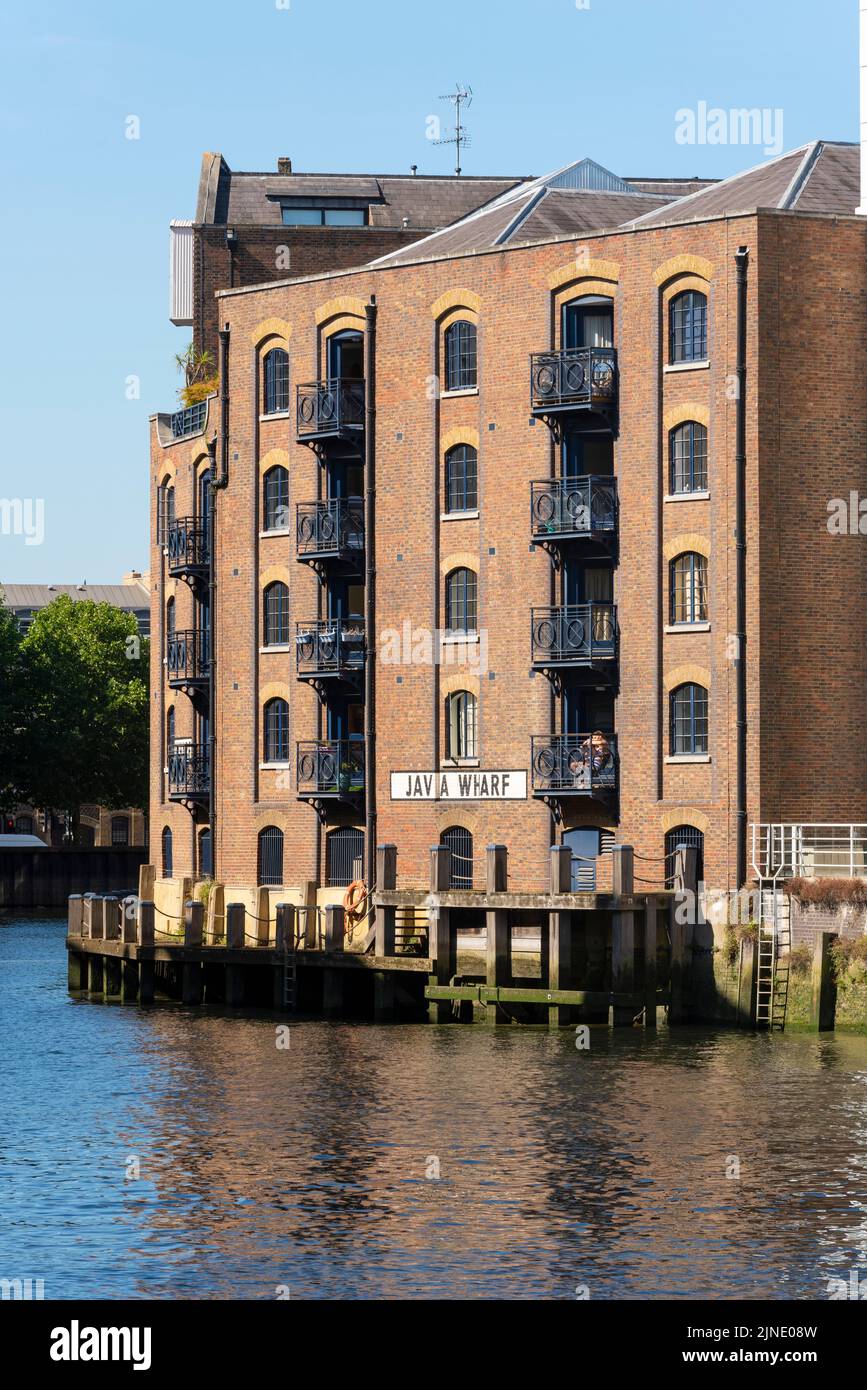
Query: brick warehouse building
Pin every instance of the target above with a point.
(534, 431)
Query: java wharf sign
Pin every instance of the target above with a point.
(459, 785)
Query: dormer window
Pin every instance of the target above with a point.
(307, 212)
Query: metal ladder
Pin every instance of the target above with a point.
(289, 980)
(773, 957)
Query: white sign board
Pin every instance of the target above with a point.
(459, 784)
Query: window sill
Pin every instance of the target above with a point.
(686, 366)
(460, 762)
(460, 516)
(464, 391)
(687, 627)
(274, 767)
(688, 758)
(275, 415)
(278, 647)
(283, 531)
(686, 497)
(459, 639)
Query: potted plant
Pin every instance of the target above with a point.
(344, 777)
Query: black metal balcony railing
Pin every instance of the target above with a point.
(576, 378)
(329, 409)
(574, 634)
(567, 507)
(574, 764)
(330, 767)
(189, 771)
(188, 656)
(329, 647)
(332, 528)
(189, 421)
(187, 545)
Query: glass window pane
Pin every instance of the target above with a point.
(344, 217)
(302, 217)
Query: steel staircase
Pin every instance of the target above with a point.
(773, 957)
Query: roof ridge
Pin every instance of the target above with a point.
(522, 214)
(802, 174)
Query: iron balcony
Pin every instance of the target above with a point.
(574, 634)
(566, 509)
(188, 657)
(330, 647)
(582, 765)
(189, 772)
(331, 769)
(331, 409)
(573, 379)
(189, 421)
(187, 545)
(330, 530)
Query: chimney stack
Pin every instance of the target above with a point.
(284, 165)
(862, 210)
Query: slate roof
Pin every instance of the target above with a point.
(428, 201)
(33, 596)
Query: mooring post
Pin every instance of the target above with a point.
(97, 918)
(559, 937)
(335, 927)
(284, 932)
(111, 918)
(262, 925)
(623, 936)
(128, 927)
(74, 911)
(146, 973)
(650, 913)
(215, 919)
(824, 994)
(498, 949)
(236, 916)
(192, 982)
(333, 977)
(386, 917)
(87, 915)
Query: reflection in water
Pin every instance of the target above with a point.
(262, 1167)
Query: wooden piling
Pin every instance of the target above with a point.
(824, 994)
(146, 973)
(284, 932)
(235, 929)
(192, 972)
(649, 953)
(559, 938)
(386, 917)
(95, 974)
(76, 971)
(623, 935)
(129, 981)
(498, 947)
(112, 977)
(74, 911)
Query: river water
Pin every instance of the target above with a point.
(179, 1153)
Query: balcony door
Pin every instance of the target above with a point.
(587, 583)
(588, 322)
(584, 454)
(346, 355)
(345, 717)
(345, 478)
(584, 710)
(345, 600)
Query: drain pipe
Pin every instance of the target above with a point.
(741, 261)
(370, 593)
(217, 483)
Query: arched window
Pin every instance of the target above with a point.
(688, 458)
(687, 321)
(170, 729)
(460, 842)
(462, 488)
(276, 615)
(167, 852)
(205, 861)
(120, 830)
(276, 724)
(275, 487)
(687, 598)
(344, 856)
(461, 589)
(270, 857)
(165, 512)
(204, 500)
(171, 620)
(461, 724)
(688, 707)
(24, 825)
(689, 836)
(276, 390)
(460, 344)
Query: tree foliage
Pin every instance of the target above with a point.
(81, 708)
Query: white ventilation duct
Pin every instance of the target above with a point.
(862, 210)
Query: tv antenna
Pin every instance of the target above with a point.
(459, 137)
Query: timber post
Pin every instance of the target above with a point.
(192, 972)
(386, 917)
(146, 981)
(498, 946)
(824, 992)
(236, 917)
(559, 938)
(623, 935)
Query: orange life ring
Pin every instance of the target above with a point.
(354, 898)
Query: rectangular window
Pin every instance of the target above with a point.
(344, 217)
(322, 216)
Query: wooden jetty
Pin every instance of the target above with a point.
(604, 957)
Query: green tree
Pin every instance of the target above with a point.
(86, 677)
(12, 715)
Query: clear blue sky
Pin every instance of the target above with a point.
(337, 85)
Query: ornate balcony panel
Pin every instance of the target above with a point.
(574, 765)
(566, 509)
(574, 634)
(331, 409)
